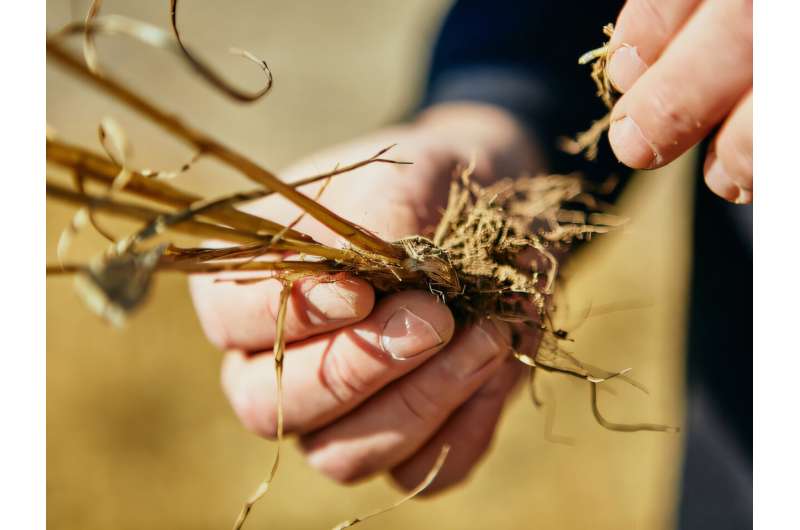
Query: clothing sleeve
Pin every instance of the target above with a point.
(523, 56)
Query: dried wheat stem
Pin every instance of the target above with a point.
(191, 226)
(95, 167)
(210, 147)
(142, 213)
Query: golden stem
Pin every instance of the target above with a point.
(209, 146)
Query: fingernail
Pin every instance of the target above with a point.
(406, 335)
(629, 144)
(625, 67)
(328, 302)
(718, 181)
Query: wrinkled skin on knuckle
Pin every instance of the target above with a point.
(341, 378)
(675, 121)
(418, 404)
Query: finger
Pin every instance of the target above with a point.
(243, 316)
(327, 376)
(397, 421)
(468, 432)
(643, 30)
(729, 166)
(699, 78)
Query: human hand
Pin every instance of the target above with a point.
(370, 385)
(684, 68)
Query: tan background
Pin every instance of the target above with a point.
(138, 432)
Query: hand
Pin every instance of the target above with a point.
(685, 67)
(374, 385)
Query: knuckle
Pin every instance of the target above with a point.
(669, 111)
(341, 377)
(418, 402)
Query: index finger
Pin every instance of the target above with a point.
(243, 317)
(697, 81)
(642, 32)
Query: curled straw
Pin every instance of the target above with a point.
(204, 143)
(210, 75)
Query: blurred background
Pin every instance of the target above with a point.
(139, 434)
